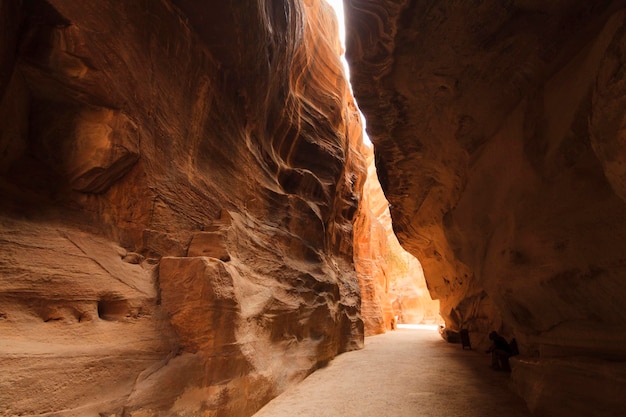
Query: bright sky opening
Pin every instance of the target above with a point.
(338, 6)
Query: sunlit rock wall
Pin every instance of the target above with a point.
(410, 299)
(499, 135)
(393, 289)
(178, 180)
(371, 253)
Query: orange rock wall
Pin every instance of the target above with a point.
(179, 183)
(498, 129)
(393, 289)
(371, 252)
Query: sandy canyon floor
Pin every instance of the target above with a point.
(408, 372)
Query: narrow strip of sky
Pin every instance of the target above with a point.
(338, 6)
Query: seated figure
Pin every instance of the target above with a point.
(500, 352)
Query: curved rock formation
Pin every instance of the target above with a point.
(499, 144)
(179, 183)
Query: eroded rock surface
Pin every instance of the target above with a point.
(178, 182)
(393, 289)
(498, 129)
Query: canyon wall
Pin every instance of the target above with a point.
(499, 136)
(393, 289)
(179, 183)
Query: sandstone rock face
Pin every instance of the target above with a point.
(410, 298)
(179, 182)
(393, 289)
(498, 129)
(371, 253)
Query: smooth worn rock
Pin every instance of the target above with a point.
(497, 130)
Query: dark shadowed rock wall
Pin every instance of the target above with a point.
(178, 181)
(499, 135)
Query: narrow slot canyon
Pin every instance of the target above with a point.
(192, 225)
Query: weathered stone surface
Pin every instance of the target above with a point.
(74, 318)
(392, 281)
(497, 129)
(208, 244)
(142, 144)
(92, 148)
(199, 296)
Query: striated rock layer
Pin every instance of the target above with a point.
(178, 188)
(392, 283)
(499, 140)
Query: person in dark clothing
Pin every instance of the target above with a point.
(500, 352)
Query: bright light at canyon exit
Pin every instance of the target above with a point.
(338, 6)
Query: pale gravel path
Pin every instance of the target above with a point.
(403, 373)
